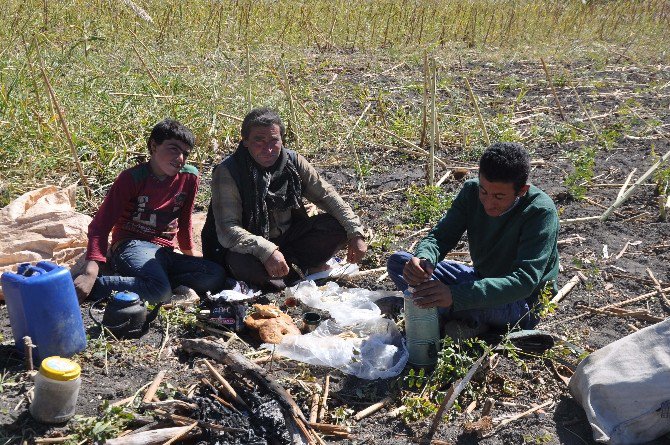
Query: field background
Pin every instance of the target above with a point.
(584, 85)
(117, 67)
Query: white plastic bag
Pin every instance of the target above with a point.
(357, 341)
(625, 387)
(348, 306)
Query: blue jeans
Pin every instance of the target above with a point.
(449, 272)
(152, 271)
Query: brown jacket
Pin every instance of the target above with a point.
(227, 208)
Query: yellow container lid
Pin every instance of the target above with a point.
(58, 368)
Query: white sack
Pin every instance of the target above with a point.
(625, 387)
(42, 225)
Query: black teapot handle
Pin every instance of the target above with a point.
(99, 323)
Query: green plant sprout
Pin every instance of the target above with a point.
(427, 203)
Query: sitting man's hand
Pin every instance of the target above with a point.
(83, 284)
(416, 271)
(276, 265)
(432, 293)
(356, 248)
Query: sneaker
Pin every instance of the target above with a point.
(461, 330)
(184, 296)
(391, 306)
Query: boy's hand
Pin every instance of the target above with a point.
(432, 293)
(276, 265)
(190, 252)
(356, 248)
(417, 270)
(83, 284)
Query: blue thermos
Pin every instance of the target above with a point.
(42, 304)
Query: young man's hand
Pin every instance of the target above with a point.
(276, 265)
(432, 293)
(356, 248)
(417, 270)
(83, 284)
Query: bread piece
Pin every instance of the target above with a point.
(271, 323)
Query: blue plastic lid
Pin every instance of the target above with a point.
(126, 297)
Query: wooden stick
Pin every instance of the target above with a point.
(131, 398)
(451, 397)
(152, 437)
(324, 400)
(659, 289)
(424, 104)
(553, 90)
(171, 404)
(444, 178)
(46, 440)
(619, 304)
(516, 417)
(151, 391)
(181, 434)
(66, 131)
(628, 193)
(565, 290)
(224, 402)
(28, 350)
(227, 388)
(405, 141)
(619, 312)
(622, 190)
(361, 179)
(582, 219)
(362, 273)
(328, 428)
(473, 98)
(433, 123)
(314, 408)
(243, 366)
(372, 409)
(291, 107)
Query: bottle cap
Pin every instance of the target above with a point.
(58, 368)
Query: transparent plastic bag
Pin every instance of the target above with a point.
(348, 306)
(357, 341)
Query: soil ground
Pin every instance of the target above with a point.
(612, 255)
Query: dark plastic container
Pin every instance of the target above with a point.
(42, 303)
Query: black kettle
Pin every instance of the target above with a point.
(126, 316)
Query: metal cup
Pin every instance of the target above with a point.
(310, 320)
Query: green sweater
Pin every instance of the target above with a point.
(515, 253)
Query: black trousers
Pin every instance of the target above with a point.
(308, 242)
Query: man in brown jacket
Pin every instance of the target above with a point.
(257, 224)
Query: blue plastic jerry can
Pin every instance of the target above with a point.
(42, 304)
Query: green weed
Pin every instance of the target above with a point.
(341, 414)
(107, 425)
(454, 361)
(427, 203)
(661, 176)
(544, 305)
(577, 181)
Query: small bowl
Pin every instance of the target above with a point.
(310, 320)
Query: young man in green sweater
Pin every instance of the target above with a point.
(512, 229)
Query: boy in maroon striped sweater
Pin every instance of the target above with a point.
(145, 209)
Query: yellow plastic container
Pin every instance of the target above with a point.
(56, 390)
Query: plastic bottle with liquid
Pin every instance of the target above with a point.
(422, 331)
(56, 390)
